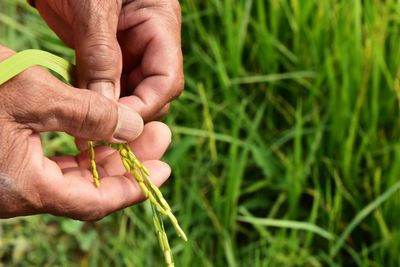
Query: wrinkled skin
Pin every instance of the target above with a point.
(127, 51)
(129, 57)
(139, 39)
(30, 183)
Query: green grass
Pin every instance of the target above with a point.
(286, 143)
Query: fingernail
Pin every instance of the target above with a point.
(130, 125)
(104, 88)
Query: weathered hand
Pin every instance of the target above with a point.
(138, 38)
(30, 183)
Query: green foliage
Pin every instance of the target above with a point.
(288, 129)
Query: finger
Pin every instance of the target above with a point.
(79, 199)
(81, 113)
(152, 95)
(81, 144)
(159, 141)
(153, 143)
(150, 145)
(161, 113)
(90, 28)
(152, 41)
(65, 162)
(56, 22)
(98, 55)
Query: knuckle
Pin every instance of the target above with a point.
(178, 86)
(166, 108)
(23, 96)
(101, 115)
(101, 56)
(100, 53)
(170, 9)
(177, 8)
(163, 112)
(92, 115)
(100, 44)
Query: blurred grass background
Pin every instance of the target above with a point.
(285, 148)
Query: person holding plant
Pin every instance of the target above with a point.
(129, 68)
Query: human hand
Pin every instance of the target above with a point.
(138, 38)
(30, 183)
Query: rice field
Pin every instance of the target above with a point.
(286, 143)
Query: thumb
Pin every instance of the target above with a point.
(84, 114)
(98, 54)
